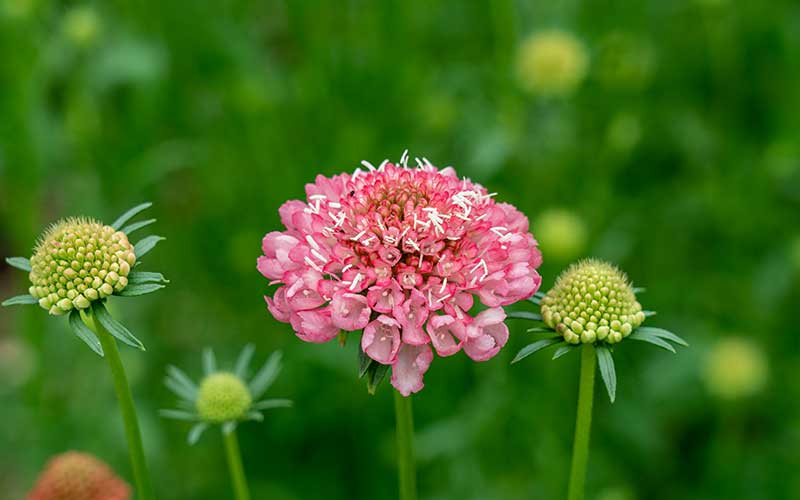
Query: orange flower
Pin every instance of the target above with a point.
(78, 476)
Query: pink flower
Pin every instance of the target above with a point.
(401, 253)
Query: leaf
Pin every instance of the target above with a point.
(268, 404)
(564, 349)
(664, 334)
(122, 219)
(254, 415)
(84, 333)
(209, 361)
(228, 427)
(364, 363)
(20, 300)
(266, 375)
(607, 371)
(536, 346)
(138, 289)
(179, 415)
(188, 389)
(652, 339)
(136, 226)
(639, 289)
(524, 315)
(114, 327)
(375, 375)
(648, 314)
(243, 361)
(20, 263)
(146, 244)
(535, 300)
(541, 295)
(540, 329)
(139, 277)
(195, 433)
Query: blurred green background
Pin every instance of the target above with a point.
(670, 146)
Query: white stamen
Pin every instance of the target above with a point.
(359, 235)
(335, 204)
(444, 285)
(317, 197)
(345, 268)
(442, 299)
(313, 264)
(358, 278)
(404, 159)
(311, 242)
(369, 165)
(319, 256)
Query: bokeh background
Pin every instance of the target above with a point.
(661, 135)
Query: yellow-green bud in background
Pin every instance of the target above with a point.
(592, 301)
(78, 261)
(223, 397)
(561, 234)
(81, 26)
(552, 62)
(735, 368)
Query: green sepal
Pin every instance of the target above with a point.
(114, 327)
(146, 244)
(609, 375)
(243, 361)
(564, 349)
(84, 333)
(364, 363)
(138, 289)
(524, 315)
(651, 339)
(639, 289)
(536, 346)
(540, 329)
(209, 361)
(268, 404)
(131, 213)
(195, 433)
(648, 314)
(664, 334)
(180, 383)
(136, 226)
(20, 300)
(376, 372)
(179, 415)
(535, 300)
(253, 415)
(266, 375)
(20, 263)
(139, 277)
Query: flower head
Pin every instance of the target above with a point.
(592, 301)
(551, 62)
(223, 397)
(400, 253)
(736, 368)
(78, 476)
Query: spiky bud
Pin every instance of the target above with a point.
(592, 301)
(78, 261)
(78, 476)
(223, 397)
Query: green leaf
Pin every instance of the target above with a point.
(375, 375)
(564, 349)
(20, 263)
(272, 403)
(639, 289)
(652, 339)
(20, 300)
(84, 333)
(179, 415)
(136, 226)
(266, 375)
(209, 361)
(524, 315)
(139, 277)
(256, 416)
(535, 300)
(607, 371)
(364, 363)
(243, 361)
(195, 433)
(541, 295)
(114, 327)
(648, 314)
(138, 289)
(540, 329)
(664, 334)
(144, 245)
(536, 346)
(122, 219)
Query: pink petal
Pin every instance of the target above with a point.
(446, 333)
(412, 363)
(381, 339)
(486, 335)
(385, 298)
(277, 305)
(412, 314)
(349, 311)
(314, 326)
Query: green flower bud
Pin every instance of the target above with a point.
(552, 62)
(69, 267)
(592, 301)
(736, 368)
(223, 397)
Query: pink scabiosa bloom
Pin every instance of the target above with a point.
(404, 254)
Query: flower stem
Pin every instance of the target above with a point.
(583, 424)
(235, 465)
(144, 487)
(405, 447)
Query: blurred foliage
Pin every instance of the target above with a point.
(678, 155)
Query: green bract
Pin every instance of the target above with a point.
(223, 397)
(592, 303)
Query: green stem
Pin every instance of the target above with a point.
(133, 435)
(235, 465)
(583, 424)
(405, 447)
